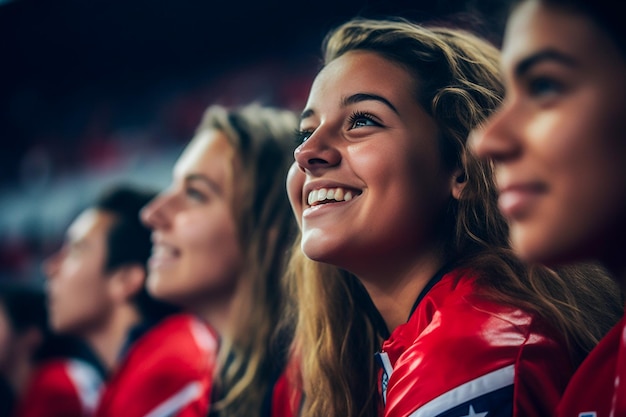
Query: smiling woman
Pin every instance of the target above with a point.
(419, 238)
(220, 233)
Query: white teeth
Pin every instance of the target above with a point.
(337, 194)
(312, 197)
(162, 250)
(321, 194)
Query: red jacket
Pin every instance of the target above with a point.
(286, 393)
(167, 372)
(460, 355)
(61, 388)
(598, 387)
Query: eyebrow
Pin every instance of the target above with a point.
(353, 99)
(206, 180)
(359, 97)
(545, 55)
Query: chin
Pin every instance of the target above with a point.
(316, 254)
(544, 251)
(162, 294)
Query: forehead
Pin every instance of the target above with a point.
(90, 224)
(534, 25)
(363, 71)
(209, 152)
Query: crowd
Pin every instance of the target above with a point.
(439, 231)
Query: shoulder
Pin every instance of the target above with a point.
(452, 310)
(459, 322)
(456, 297)
(179, 348)
(172, 363)
(51, 391)
(464, 341)
(177, 335)
(52, 375)
(596, 382)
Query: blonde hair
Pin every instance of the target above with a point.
(263, 140)
(457, 82)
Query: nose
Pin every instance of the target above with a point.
(318, 152)
(154, 214)
(497, 139)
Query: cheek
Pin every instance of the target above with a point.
(79, 280)
(587, 160)
(295, 183)
(211, 247)
(410, 176)
(79, 302)
(206, 232)
(583, 161)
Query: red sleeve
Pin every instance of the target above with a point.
(50, 393)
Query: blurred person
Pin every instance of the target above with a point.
(45, 375)
(220, 233)
(559, 150)
(96, 283)
(401, 240)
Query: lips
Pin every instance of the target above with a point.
(515, 201)
(162, 254)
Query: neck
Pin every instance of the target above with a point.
(217, 311)
(395, 290)
(107, 341)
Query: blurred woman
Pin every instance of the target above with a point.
(559, 150)
(220, 234)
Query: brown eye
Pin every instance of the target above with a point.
(544, 86)
(195, 194)
(360, 119)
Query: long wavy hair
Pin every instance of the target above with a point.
(263, 140)
(338, 330)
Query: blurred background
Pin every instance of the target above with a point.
(98, 92)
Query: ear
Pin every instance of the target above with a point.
(459, 179)
(126, 281)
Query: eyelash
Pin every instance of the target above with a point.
(354, 117)
(301, 136)
(195, 194)
(543, 86)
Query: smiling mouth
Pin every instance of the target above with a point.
(330, 195)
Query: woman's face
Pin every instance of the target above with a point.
(79, 288)
(558, 141)
(6, 340)
(367, 187)
(196, 252)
